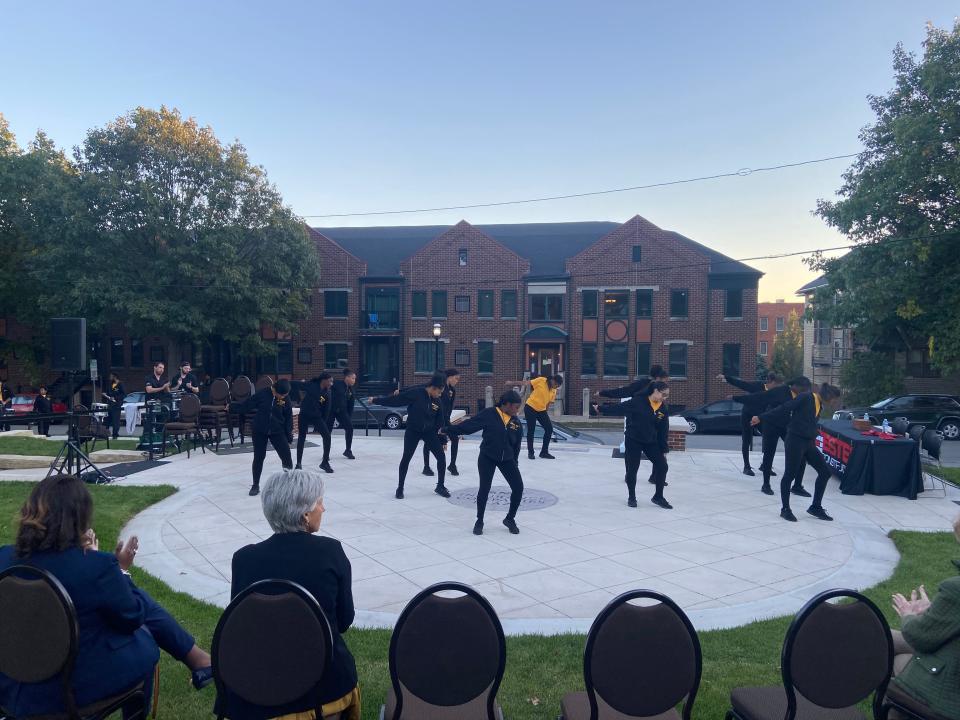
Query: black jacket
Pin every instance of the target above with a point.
(643, 425)
(42, 405)
(272, 417)
(424, 414)
(758, 403)
(500, 443)
(627, 390)
(315, 402)
(447, 401)
(117, 395)
(318, 564)
(749, 409)
(343, 398)
(798, 415)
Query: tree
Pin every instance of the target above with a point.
(868, 377)
(900, 204)
(761, 368)
(787, 358)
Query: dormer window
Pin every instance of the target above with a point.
(462, 257)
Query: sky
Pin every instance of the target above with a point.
(369, 106)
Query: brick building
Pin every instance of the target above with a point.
(771, 320)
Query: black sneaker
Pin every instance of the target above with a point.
(766, 490)
(297, 467)
(441, 491)
(654, 482)
(511, 526)
(631, 502)
(787, 514)
(799, 490)
(662, 502)
(547, 456)
(531, 456)
(325, 466)
(819, 513)
(399, 494)
(348, 455)
(202, 677)
(452, 469)
(427, 470)
(254, 490)
(747, 470)
(773, 473)
(478, 527)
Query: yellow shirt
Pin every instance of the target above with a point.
(655, 405)
(541, 395)
(817, 403)
(503, 416)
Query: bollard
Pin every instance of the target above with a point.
(586, 403)
(488, 396)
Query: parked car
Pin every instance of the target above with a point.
(24, 403)
(388, 417)
(940, 412)
(722, 416)
(561, 433)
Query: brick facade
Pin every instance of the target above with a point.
(771, 311)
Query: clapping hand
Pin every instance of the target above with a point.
(127, 552)
(88, 541)
(754, 421)
(916, 605)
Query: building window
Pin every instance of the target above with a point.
(425, 356)
(461, 358)
(508, 304)
(678, 360)
(485, 303)
(733, 306)
(588, 363)
(305, 356)
(763, 348)
(822, 334)
(644, 303)
(616, 305)
(418, 304)
(462, 257)
(679, 304)
(636, 253)
(484, 358)
(643, 359)
(764, 324)
(461, 303)
(590, 303)
(779, 324)
(546, 307)
(439, 304)
(284, 358)
(116, 352)
(334, 356)
(731, 359)
(136, 353)
(615, 359)
(156, 354)
(335, 303)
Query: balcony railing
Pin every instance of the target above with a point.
(389, 320)
(830, 355)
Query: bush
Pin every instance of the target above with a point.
(868, 377)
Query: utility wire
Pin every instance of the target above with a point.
(742, 172)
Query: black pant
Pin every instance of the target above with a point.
(533, 417)
(771, 435)
(510, 472)
(799, 449)
(432, 441)
(113, 419)
(343, 417)
(318, 426)
(454, 447)
(279, 443)
(633, 452)
(746, 438)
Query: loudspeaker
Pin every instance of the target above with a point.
(68, 344)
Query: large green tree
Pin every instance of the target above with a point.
(900, 204)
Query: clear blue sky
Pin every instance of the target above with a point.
(355, 106)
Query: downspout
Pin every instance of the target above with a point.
(706, 347)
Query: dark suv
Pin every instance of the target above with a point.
(941, 412)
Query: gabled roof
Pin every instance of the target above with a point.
(813, 285)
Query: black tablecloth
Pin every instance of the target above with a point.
(867, 464)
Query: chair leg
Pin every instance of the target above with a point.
(156, 691)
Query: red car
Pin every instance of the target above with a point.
(24, 404)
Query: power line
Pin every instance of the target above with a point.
(742, 172)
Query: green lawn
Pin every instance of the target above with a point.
(39, 446)
(539, 669)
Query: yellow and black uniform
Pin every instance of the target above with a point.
(43, 406)
(114, 395)
(645, 434)
(315, 410)
(424, 422)
(772, 429)
(535, 411)
(499, 450)
(447, 400)
(747, 412)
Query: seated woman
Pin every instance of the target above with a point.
(927, 661)
(120, 626)
(293, 505)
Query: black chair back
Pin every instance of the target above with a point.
(901, 425)
(264, 382)
(916, 432)
(641, 661)
(931, 442)
(836, 654)
(447, 656)
(189, 409)
(219, 392)
(241, 389)
(271, 647)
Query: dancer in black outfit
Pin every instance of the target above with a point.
(499, 450)
(272, 422)
(638, 386)
(315, 409)
(447, 401)
(343, 401)
(43, 405)
(424, 423)
(748, 411)
(114, 395)
(646, 434)
(772, 430)
(802, 431)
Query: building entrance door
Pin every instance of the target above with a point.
(381, 360)
(545, 360)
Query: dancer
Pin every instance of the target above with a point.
(638, 386)
(315, 407)
(800, 443)
(499, 450)
(446, 406)
(114, 395)
(424, 423)
(273, 422)
(772, 430)
(343, 401)
(543, 391)
(646, 434)
(748, 411)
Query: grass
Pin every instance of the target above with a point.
(539, 669)
(950, 474)
(50, 448)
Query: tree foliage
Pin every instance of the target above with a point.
(761, 369)
(868, 377)
(787, 357)
(900, 202)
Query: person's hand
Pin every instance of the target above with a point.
(596, 408)
(922, 602)
(127, 552)
(754, 421)
(89, 540)
(916, 605)
(396, 391)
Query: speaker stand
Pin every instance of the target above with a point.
(74, 461)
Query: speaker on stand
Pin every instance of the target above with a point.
(68, 347)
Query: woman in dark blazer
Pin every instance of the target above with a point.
(293, 505)
(120, 626)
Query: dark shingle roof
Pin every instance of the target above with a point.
(813, 285)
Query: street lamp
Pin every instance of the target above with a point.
(437, 330)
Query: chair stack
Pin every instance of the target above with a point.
(240, 391)
(215, 415)
(90, 428)
(188, 425)
(931, 442)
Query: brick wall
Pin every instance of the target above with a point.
(771, 311)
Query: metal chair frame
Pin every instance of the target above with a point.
(934, 479)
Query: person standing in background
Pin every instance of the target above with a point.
(6, 399)
(43, 406)
(114, 395)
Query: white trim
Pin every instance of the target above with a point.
(413, 340)
(655, 288)
(336, 289)
(489, 340)
(678, 342)
(552, 288)
(334, 342)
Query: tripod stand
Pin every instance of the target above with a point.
(72, 456)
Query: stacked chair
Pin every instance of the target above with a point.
(215, 415)
(187, 426)
(240, 391)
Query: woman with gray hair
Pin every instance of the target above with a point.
(293, 505)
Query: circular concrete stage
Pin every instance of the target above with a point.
(723, 553)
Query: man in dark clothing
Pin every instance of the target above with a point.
(114, 394)
(315, 407)
(343, 401)
(185, 381)
(447, 400)
(156, 387)
(6, 400)
(424, 418)
(43, 406)
(273, 422)
(750, 408)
